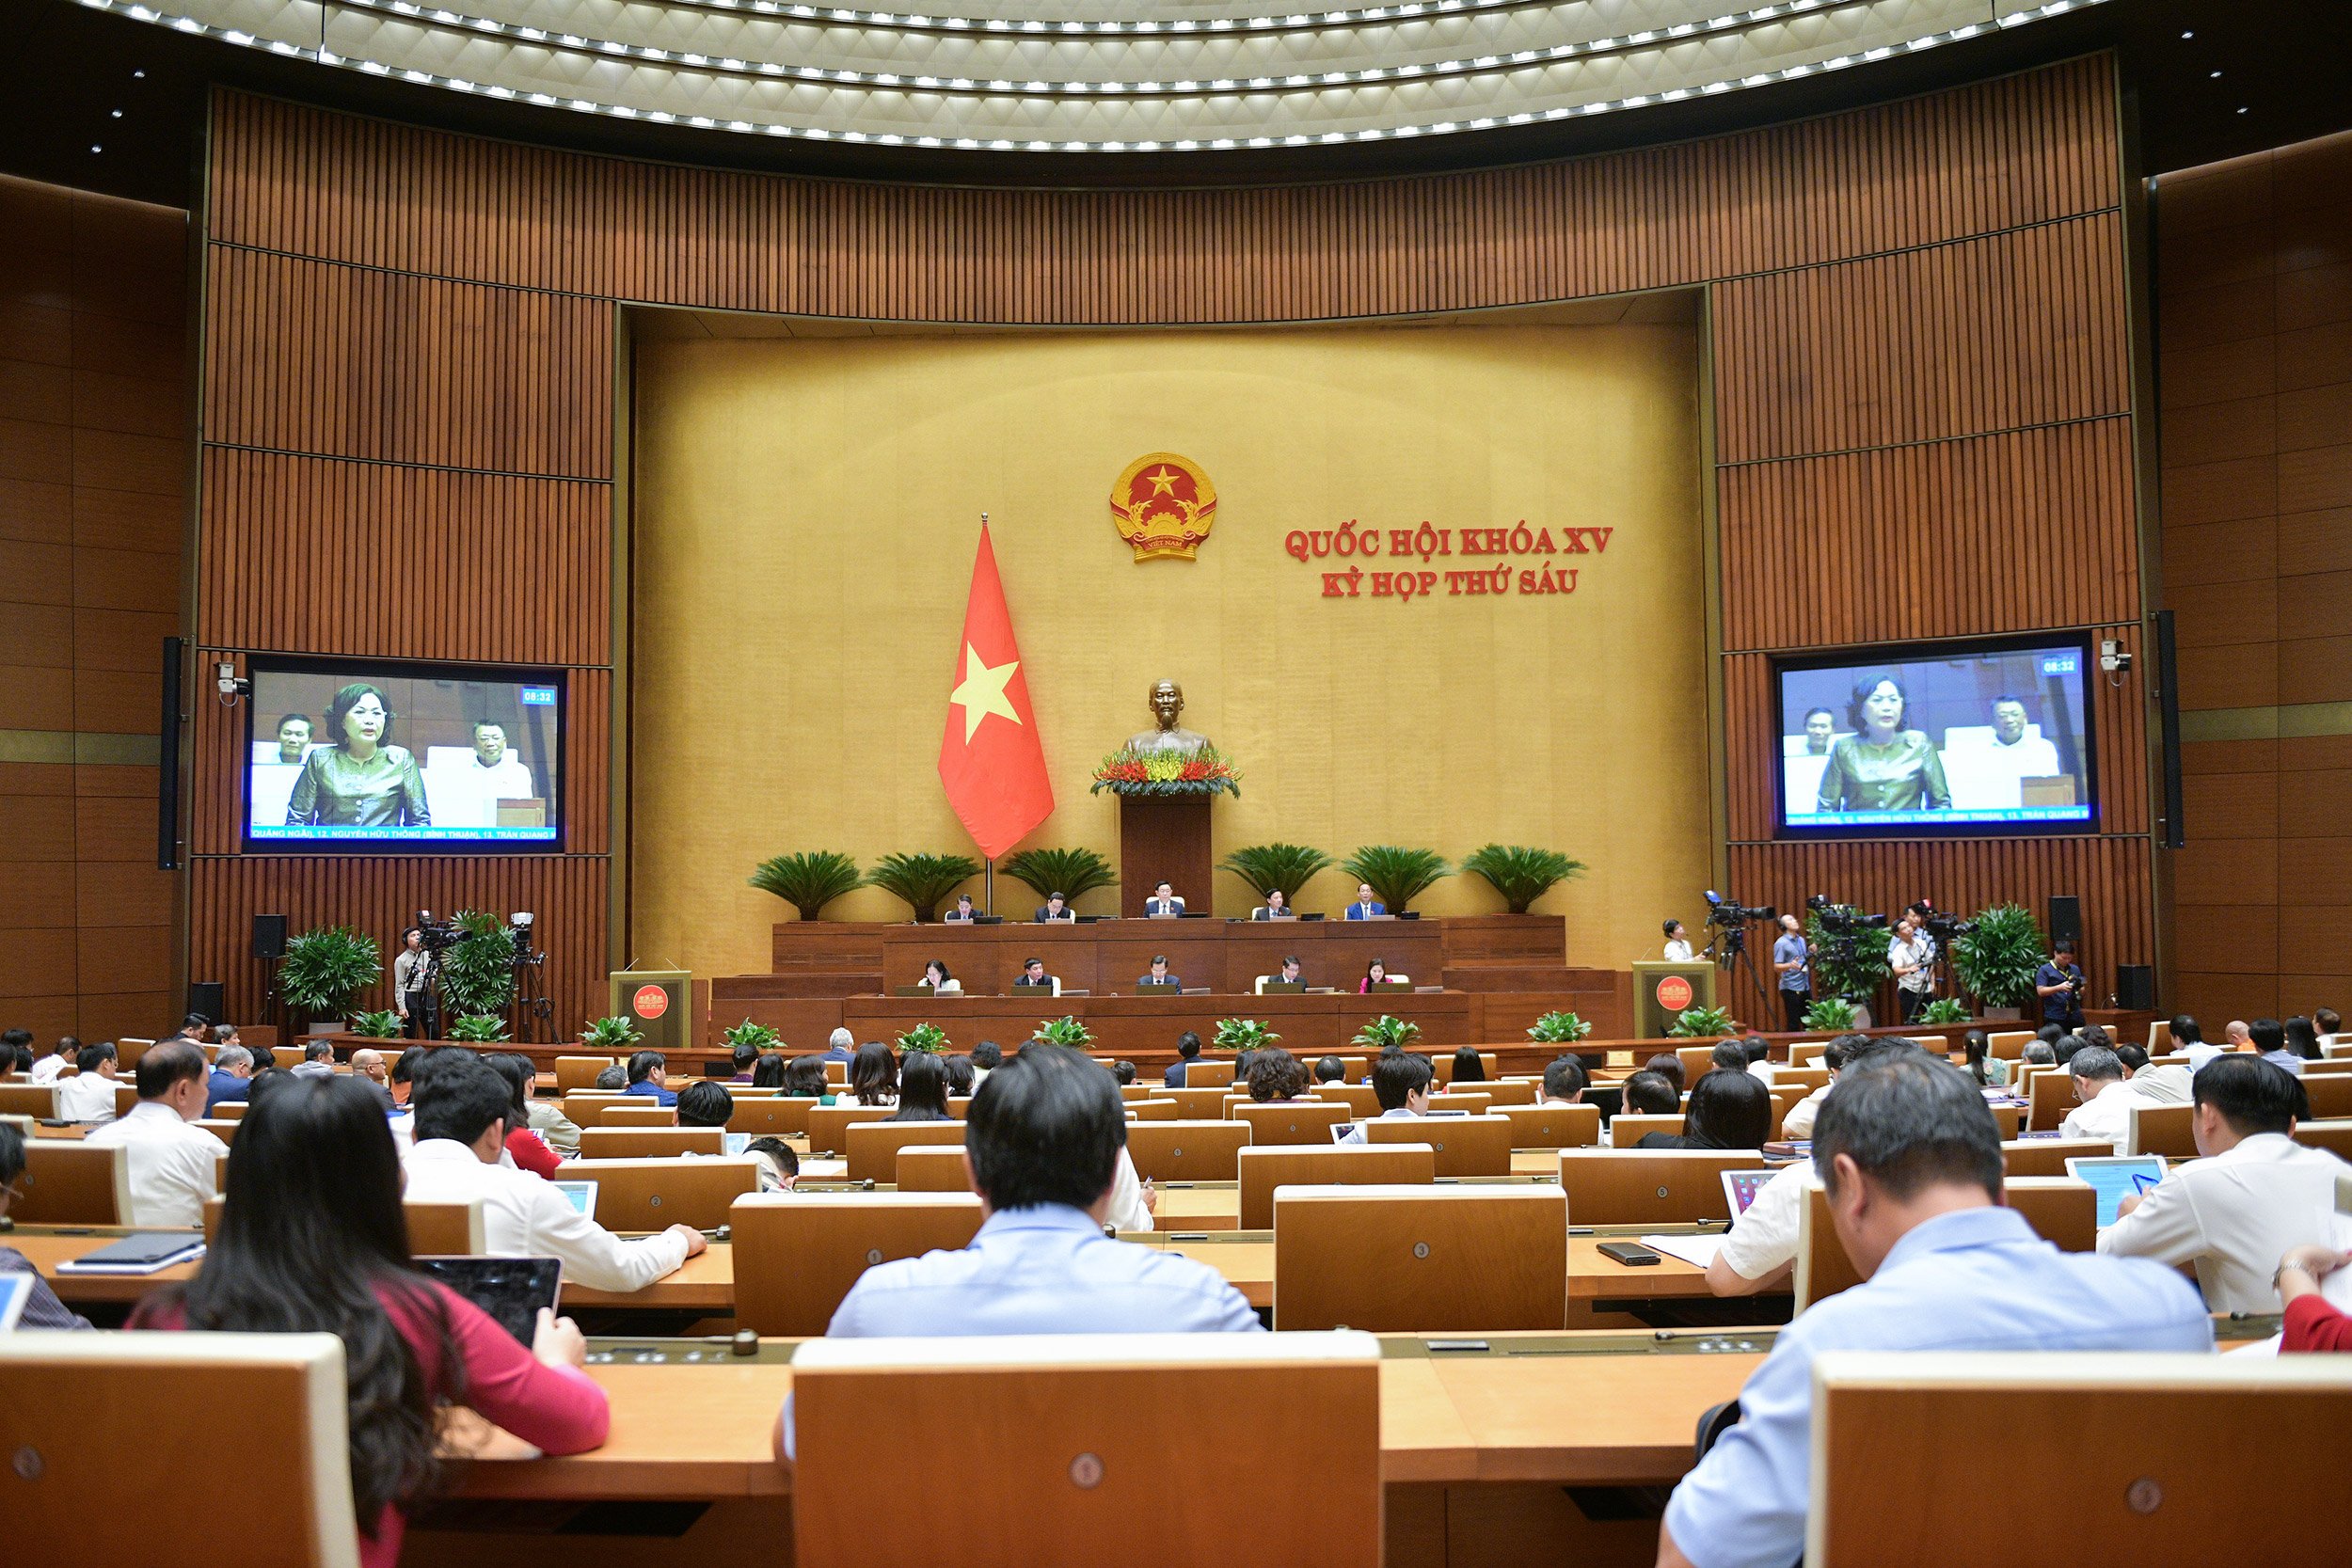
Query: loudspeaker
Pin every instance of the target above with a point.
(2066, 918)
(269, 935)
(209, 997)
(167, 775)
(2135, 987)
(2169, 715)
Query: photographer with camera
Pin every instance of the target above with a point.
(2060, 984)
(1793, 963)
(412, 988)
(1911, 954)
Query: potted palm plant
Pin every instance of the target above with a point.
(478, 972)
(1398, 876)
(1520, 873)
(1276, 867)
(808, 880)
(923, 881)
(323, 969)
(1068, 872)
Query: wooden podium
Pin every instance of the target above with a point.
(1663, 991)
(1165, 838)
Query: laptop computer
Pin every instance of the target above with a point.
(737, 1143)
(1170, 988)
(2116, 1177)
(582, 1196)
(15, 1291)
(1740, 1187)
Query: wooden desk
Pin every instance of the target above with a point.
(1137, 1026)
(1225, 956)
(1245, 1259)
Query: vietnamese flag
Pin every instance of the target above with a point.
(991, 759)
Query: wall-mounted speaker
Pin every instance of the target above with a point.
(2066, 918)
(269, 935)
(208, 997)
(2135, 987)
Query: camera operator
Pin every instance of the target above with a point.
(1794, 965)
(1912, 958)
(2060, 984)
(413, 975)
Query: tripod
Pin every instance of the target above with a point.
(532, 1009)
(1734, 956)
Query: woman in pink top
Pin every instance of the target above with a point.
(313, 1240)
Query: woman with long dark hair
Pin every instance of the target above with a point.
(1727, 1110)
(874, 1076)
(768, 1072)
(922, 1088)
(1468, 1066)
(313, 1241)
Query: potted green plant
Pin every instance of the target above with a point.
(479, 1029)
(1944, 1009)
(1282, 868)
(610, 1034)
(1384, 1031)
(1851, 969)
(384, 1025)
(1068, 872)
(478, 970)
(1997, 959)
(1243, 1034)
(324, 969)
(808, 880)
(923, 881)
(1398, 876)
(1830, 1015)
(1701, 1024)
(757, 1035)
(1065, 1030)
(929, 1039)
(1520, 873)
(1559, 1028)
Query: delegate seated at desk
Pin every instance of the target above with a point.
(1056, 908)
(963, 914)
(1291, 973)
(1366, 907)
(1033, 977)
(1275, 908)
(1160, 975)
(1163, 904)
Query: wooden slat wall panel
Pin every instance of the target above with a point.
(378, 893)
(1912, 540)
(352, 362)
(417, 562)
(2110, 875)
(2018, 152)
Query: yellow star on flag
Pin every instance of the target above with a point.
(983, 691)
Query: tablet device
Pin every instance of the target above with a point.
(15, 1291)
(737, 1143)
(1741, 1186)
(582, 1196)
(142, 1251)
(512, 1289)
(2115, 1179)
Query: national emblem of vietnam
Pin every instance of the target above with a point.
(1164, 505)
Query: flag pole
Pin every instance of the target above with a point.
(988, 874)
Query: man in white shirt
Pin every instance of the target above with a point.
(2019, 756)
(1163, 904)
(2104, 1087)
(89, 1096)
(461, 1111)
(500, 774)
(2255, 1194)
(47, 1068)
(173, 1165)
(1798, 1123)
(1912, 956)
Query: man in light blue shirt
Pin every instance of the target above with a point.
(1794, 966)
(1912, 1161)
(2270, 1042)
(1042, 1140)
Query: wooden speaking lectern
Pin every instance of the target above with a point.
(1663, 991)
(661, 1002)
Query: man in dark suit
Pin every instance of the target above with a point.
(1365, 907)
(1159, 976)
(840, 1048)
(961, 915)
(1187, 1050)
(1033, 976)
(1275, 908)
(1056, 908)
(1163, 901)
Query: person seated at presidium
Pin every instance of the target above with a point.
(963, 914)
(1033, 974)
(1730, 1109)
(1366, 907)
(1163, 902)
(462, 1107)
(1159, 975)
(1042, 1140)
(943, 982)
(1291, 973)
(311, 1240)
(1055, 907)
(1911, 1159)
(1275, 907)
(1376, 974)
(1883, 766)
(359, 779)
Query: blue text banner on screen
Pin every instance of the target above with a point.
(405, 835)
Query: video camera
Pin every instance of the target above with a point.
(1941, 927)
(1731, 912)
(439, 935)
(1842, 920)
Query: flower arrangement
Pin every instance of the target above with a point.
(927, 1037)
(1128, 771)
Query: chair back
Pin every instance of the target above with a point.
(229, 1109)
(1464, 1145)
(578, 1072)
(2331, 1094)
(933, 1168)
(1085, 1433)
(797, 1254)
(1804, 1054)
(2009, 1121)
(71, 1405)
(37, 1100)
(2008, 1044)
(434, 1230)
(1293, 1121)
(2048, 1156)
(874, 1145)
(771, 1115)
(285, 1055)
(2049, 1099)
(1199, 1105)
(1153, 1110)
(1359, 1099)
(1628, 1129)
(641, 1195)
(128, 1052)
(2166, 1129)
(225, 1130)
(1509, 1091)
(646, 1114)
(1132, 1092)
(1414, 1259)
(1553, 1126)
(1651, 1186)
(1187, 1150)
(587, 1107)
(2160, 1037)
(1262, 1170)
(837, 1072)
(1442, 1060)
(2335, 1136)
(1806, 1078)
(1697, 1061)
(67, 1182)
(2061, 1210)
(649, 1142)
(829, 1125)
(2119, 1458)
(1205, 1072)
(1471, 1102)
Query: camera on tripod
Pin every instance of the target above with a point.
(1842, 920)
(439, 935)
(1730, 918)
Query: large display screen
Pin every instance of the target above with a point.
(1904, 740)
(381, 756)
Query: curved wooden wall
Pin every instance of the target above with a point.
(1920, 359)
